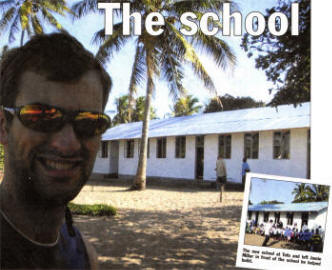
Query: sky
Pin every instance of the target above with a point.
(242, 80)
(269, 190)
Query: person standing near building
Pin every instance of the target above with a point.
(267, 231)
(245, 170)
(221, 175)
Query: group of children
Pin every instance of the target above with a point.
(307, 239)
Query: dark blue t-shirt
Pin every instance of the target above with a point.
(19, 253)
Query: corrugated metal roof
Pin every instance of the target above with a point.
(246, 120)
(291, 207)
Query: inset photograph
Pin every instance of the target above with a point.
(286, 214)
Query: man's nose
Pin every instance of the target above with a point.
(65, 140)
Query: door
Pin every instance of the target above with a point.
(114, 159)
(199, 157)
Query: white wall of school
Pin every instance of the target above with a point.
(172, 167)
(296, 166)
(102, 165)
(315, 219)
(182, 168)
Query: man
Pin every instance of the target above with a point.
(221, 175)
(245, 170)
(52, 95)
(267, 232)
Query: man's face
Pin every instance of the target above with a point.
(53, 166)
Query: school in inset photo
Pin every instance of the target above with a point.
(286, 214)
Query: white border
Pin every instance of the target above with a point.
(326, 262)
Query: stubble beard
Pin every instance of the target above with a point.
(30, 185)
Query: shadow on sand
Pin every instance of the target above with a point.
(137, 239)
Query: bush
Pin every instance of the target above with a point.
(92, 210)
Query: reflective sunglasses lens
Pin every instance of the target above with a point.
(89, 124)
(41, 117)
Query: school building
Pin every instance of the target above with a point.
(275, 140)
(313, 214)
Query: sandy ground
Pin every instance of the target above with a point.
(257, 240)
(163, 227)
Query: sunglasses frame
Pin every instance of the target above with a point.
(68, 116)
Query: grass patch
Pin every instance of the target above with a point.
(92, 210)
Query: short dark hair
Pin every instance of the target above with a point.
(57, 56)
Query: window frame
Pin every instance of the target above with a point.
(225, 146)
(266, 216)
(161, 147)
(104, 149)
(129, 148)
(290, 218)
(253, 146)
(281, 145)
(180, 146)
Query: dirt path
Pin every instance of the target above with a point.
(163, 227)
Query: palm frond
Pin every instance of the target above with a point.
(14, 28)
(83, 7)
(110, 44)
(6, 18)
(192, 58)
(138, 71)
(37, 27)
(51, 19)
(25, 11)
(213, 46)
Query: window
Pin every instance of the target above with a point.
(180, 147)
(251, 145)
(276, 217)
(225, 146)
(148, 154)
(104, 150)
(290, 217)
(130, 145)
(161, 147)
(266, 216)
(281, 144)
(249, 215)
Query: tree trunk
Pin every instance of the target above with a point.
(22, 37)
(140, 178)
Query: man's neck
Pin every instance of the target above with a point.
(36, 221)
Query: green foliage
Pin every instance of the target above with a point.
(186, 106)
(231, 103)
(28, 16)
(310, 193)
(138, 113)
(271, 202)
(122, 116)
(92, 210)
(285, 58)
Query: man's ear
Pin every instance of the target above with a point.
(3, 129)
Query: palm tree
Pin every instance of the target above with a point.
(28, 16)
(162, 56)
(138, 112)
(300, 192)
(122, 111)
(186, 106)
(318, 193)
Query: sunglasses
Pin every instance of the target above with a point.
(46, 118)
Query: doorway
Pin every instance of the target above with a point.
(114, 158)
(199, 157)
